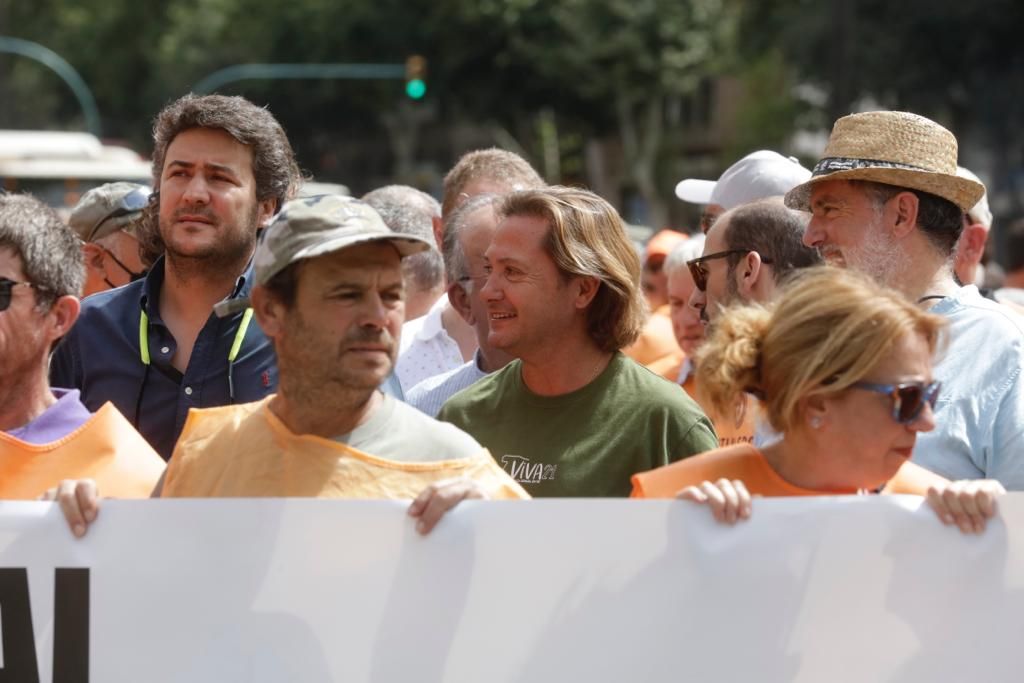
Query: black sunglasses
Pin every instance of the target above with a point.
(133, 202)
(908, 398)
(6, 287)
(700, 274)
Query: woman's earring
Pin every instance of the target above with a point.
(816, 422)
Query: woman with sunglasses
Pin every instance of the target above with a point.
(843, 370)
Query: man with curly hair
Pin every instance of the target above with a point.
(222, 167)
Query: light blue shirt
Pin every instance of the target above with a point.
(979, 431)
(430, 394)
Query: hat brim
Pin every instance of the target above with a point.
(695, 191)
(963, 192)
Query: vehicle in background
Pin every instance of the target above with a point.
(59, 167)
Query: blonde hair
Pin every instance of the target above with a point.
(586, 238)
(826, 331)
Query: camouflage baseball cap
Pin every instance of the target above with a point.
(108, 208)
(313, 226)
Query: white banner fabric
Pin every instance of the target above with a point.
(826, 589)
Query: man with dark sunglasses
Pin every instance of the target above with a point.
(222, 167)
(106, 219)
(748, 252)
(47, 435)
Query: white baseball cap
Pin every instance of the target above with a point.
(758, 175)
(979, 213)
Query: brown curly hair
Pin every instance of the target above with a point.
(274, 166)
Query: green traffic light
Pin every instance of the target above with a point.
(416, 88)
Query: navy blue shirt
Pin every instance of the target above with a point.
(100, 357)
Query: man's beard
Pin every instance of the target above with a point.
(732, 295)
(879, 256)
(231, 250)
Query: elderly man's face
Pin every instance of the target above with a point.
(475, 238)
(530, 305)
(654, 282)
(23, 343)
(849, 231)
(686, 324)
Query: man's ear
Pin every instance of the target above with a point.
(459, 300)
(587, 290)
(267, 210)
(268, 310)
(92, 253)
(972, 242)
(63, 315)
(748, 271)
(904, 208)
(438, 232)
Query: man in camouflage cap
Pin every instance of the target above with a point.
(106, 220)
(329, 294)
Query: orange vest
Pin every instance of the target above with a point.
(106, 448)
(747, 464)
(245, 450)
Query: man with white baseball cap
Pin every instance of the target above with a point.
(328, 292)
(758, 175)
(970, 249)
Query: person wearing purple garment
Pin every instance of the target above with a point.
(47, 435)
(62, 417)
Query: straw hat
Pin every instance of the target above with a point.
(895, 148)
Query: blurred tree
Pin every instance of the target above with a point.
(108, 43)
(956, 62)
(929, 54)
(608, 66)
(545, 76)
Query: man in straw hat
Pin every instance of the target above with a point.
(886, 200)
(328, 292)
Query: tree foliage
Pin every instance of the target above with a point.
(549, 78)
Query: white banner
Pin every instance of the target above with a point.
(850, 589)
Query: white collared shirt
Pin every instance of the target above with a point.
(426, 349)
(430, 394)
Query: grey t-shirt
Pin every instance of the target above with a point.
(397, 431)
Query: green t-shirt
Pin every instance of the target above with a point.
(588, 442)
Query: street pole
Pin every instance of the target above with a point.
(62, 68)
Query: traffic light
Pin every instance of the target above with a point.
(416, 77)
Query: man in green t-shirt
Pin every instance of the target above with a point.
(572, 416)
